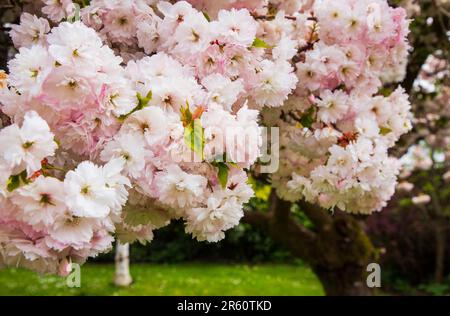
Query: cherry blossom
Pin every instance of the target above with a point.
(146, 111)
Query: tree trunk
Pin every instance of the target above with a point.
(122, 277)
(337, 248)
(347, 281)
(440, 236)
(341, 255)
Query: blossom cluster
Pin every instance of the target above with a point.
(47, 222)
(179, 140)
(337, 128)
(186, 176)
(144, 111)
(225, 46)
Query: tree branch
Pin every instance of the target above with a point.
(413, 70)
(294, 236)
(320, 217)
(279, 224)
(257, 219)
(279, 208)
(405, 142)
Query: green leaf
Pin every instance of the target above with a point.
(158, 217)
(259, 43)
(76, 16)
(24, 177)
(385, 130)
(136, 216)
(193, 130)
(222, 172)
(151, 214)
(223, 175)
(186, 115)
(84, 3)
(194, 137)
(143, 102)
(307, 120)
(206, 16)
(385, 91)
(15, 181)
(57, 142)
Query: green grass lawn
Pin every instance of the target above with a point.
(177, 279)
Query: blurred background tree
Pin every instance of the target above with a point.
(414, 230)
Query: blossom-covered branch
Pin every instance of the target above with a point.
(140, 112)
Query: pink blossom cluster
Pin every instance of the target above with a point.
(47, 222)
(75, 83)
(165, 168)
(58, 10)
(225, 46)
(261, 7)
(123, 24)
(179, 140)
(147, 111)
(337, 128)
